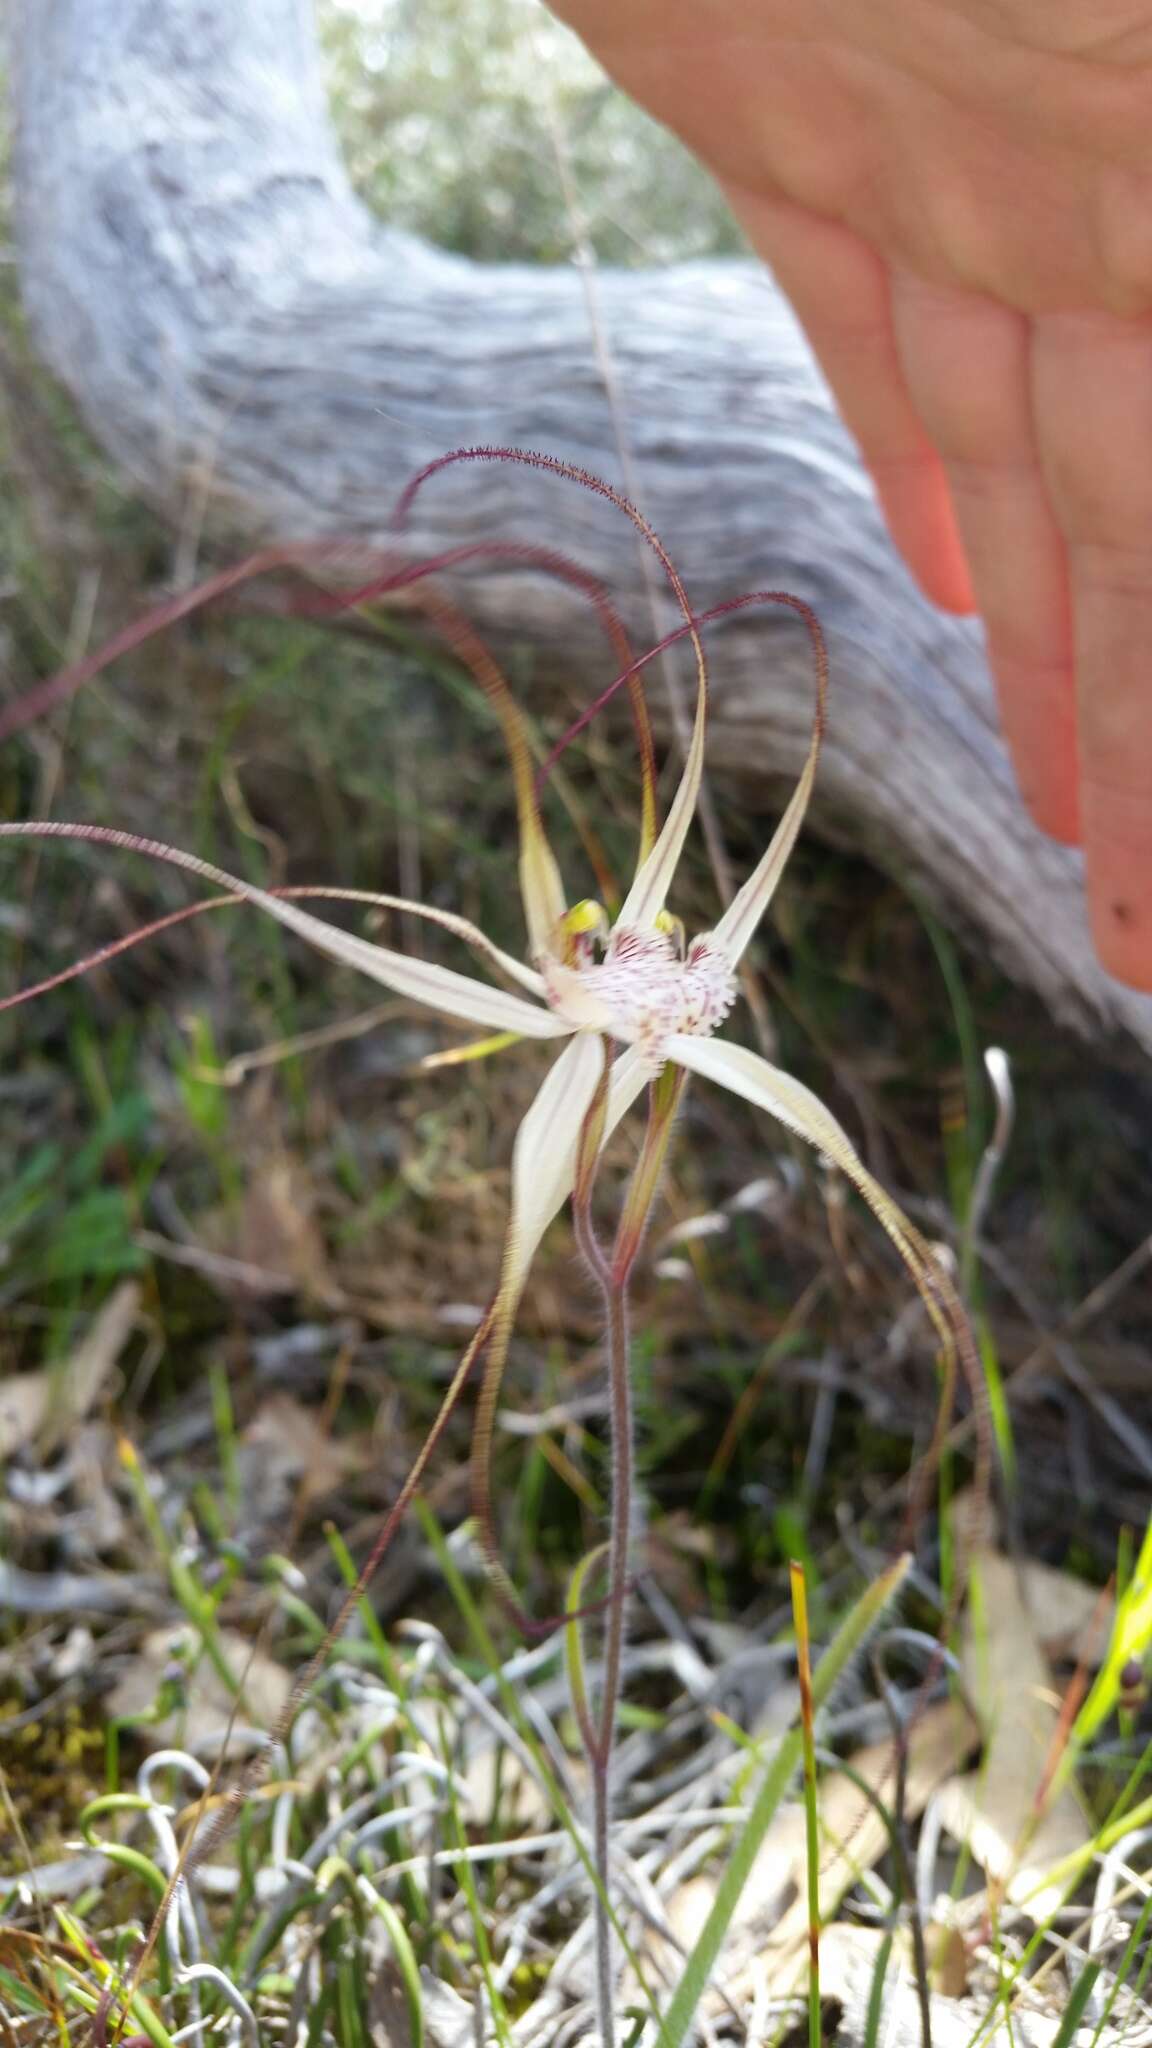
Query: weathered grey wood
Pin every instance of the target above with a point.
(244, 337)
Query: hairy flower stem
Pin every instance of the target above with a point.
(612, 1276)
(599, 1735)
(623, 1440)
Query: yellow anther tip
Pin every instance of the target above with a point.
(588, 916)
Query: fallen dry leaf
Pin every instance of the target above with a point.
(848, 1959)
(40, 1407)
(386, 2000)
(947, 1954)
(496, 1772)
(1072, 1620)
(23, 1408)
(285, 1443)
(208, 1702)
(849, 1956)
(1069, 1618)
(994, 1810)
(278, 1230)
(449, 2020)
(854, 1838)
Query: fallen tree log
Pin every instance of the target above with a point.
(253, 346)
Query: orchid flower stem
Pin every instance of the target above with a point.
(613, 1274)
(602, 1749)
(623, 1491)
(599, 1735)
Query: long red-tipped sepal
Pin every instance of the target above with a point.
(747, 908)
(646, 897)
(459, 927)
(439, 988)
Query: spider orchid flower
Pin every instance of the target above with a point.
(623, 1000)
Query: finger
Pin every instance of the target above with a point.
(967, 363)
(1092, 404)
(840, 290)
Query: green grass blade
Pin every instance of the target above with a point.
(1130, 1639)
(875, 2011)
(574, 1647)
(848, 1640)
(20, 1997)
(1076, 2007)
(811, 1807)
(403, 1955)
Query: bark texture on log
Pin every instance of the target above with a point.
(246, 339)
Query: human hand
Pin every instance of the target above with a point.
(956, 195)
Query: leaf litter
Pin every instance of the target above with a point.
(42, 1407)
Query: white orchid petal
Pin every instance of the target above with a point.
(541, 889)
(441, 988)
(748, 1074)
(747, 907)
(543, 1174)
(544, 1156)
(768, 1088)
(446, 920)
(738, 924)
(648, 894)
(463, 928)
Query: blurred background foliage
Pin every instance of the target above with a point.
(448, 111)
